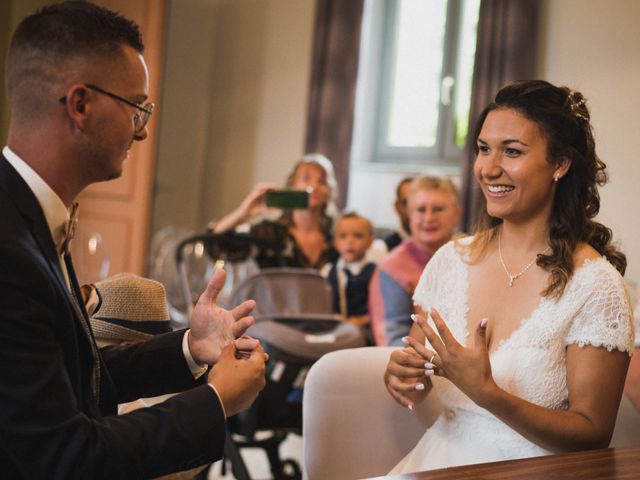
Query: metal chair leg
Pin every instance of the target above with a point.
(232, 452)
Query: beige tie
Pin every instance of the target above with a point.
(69, 230)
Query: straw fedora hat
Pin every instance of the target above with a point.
(129, 307)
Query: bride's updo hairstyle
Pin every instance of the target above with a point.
(563, 118)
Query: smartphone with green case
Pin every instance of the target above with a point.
(287, 199)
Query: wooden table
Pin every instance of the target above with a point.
(608, 463)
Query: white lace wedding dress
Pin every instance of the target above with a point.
(594, 310)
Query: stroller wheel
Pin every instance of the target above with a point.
(291, 470)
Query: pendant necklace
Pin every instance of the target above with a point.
(515, 276)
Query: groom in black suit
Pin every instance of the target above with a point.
(77, 85)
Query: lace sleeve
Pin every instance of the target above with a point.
(605, 318)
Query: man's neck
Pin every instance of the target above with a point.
(50, 164)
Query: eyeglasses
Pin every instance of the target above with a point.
(143, 112)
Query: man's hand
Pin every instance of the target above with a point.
(213, 327)
(238, 378)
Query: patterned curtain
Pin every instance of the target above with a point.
(333, 84)
(505, 52)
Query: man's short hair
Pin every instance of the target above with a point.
(435, 183)
(46, 41)
(401, 184)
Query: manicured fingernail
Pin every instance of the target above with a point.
(419, 386)
(405, 340)
(429, 366)
(410, 407)
(483, 322)
(428, 373)
(414, 317)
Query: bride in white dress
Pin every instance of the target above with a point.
(531, 330)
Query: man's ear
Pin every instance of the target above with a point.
(397, 205)
(77, 103)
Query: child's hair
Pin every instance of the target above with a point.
(357, 216)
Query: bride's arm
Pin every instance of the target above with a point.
(595, 379)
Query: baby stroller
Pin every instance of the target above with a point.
(296, 326)
(184, 262)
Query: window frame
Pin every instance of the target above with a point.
(382, 39)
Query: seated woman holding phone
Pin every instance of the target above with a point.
(301, 236)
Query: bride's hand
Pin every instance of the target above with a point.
(468, 368)
(405, 378)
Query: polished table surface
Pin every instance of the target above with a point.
(608, 463)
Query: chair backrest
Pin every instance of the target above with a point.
(286, 291)
(294, 313)
(352, 428)
(627, 431)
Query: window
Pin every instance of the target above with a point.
(414, 88)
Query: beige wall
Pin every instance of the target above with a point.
(235, 94)
(592, 46)
(234, 103)
(259, 66)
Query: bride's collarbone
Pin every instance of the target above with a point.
(505, 307)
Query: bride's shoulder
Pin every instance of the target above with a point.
(452, 252)
(590, 265)
(461, 246)
(448, 250)
(463, 239)
(583, 254)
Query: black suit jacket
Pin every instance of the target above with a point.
(52, 423)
